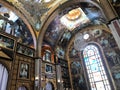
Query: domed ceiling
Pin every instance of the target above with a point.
(71, 20)
(68, 21)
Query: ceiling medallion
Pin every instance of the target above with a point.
(74, 14)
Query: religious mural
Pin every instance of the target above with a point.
(78, 79)
(110, 49)
(60, 52)
(73, 53)
(70, 20)
(77, 76)
(14, 26)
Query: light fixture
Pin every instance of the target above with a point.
(36, 81)
(47, 1)
(58, 80)
(36, 78)
(42, 79)
(86, 36)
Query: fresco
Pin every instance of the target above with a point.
(10, 23)
(53, 31)
(110, 49)
(60, 52)
(67, 20)
(77, 76)
(73, 53)
(64, 38)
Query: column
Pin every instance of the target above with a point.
(115, 29)
(38, 62)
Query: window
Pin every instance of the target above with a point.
(95, 69)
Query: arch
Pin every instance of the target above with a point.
(3, 77)
(96, 70)
(102, 27)
(54, 13)
(23, 16)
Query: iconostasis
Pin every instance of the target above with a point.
(16, 50)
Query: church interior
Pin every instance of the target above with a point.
(59, 44)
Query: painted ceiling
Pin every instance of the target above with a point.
(62, 28)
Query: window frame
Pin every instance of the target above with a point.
(105, 65)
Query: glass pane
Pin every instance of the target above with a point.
(97, 76)
(95, 69)
(90, 52)
(92, 60)
(100, 86)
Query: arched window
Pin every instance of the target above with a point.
(3, 77)
(95, 68)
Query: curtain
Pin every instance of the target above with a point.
(22, 88)
(3, 77)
